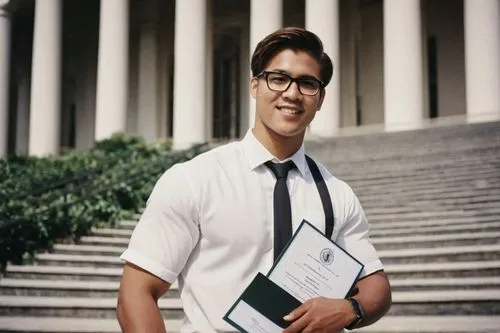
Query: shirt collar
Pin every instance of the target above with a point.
(257, 154)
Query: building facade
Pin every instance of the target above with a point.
(72, 72)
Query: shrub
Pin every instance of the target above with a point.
(43, 200)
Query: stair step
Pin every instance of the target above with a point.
(404, 302)
(96, 240)
(128, 224)
(384, 168)
(370, 196)
(108, 232)
(438, 229)
(67, 288)
(450, 253)
(76, 306)
(418, 228)
(379, 242)
(463, 283)
(403, 225)
(429, 178)
(408, 167)
(443, 269)
(420, 189)
(474, 201)
(23, 324)
(441, 254)
(78, 260)
(63, 273)
(388, 324)
(430, 193)
(88, 249)
(399, 208)
(424, 192)
(465, 238)
(381, 171)
(64, 284)
(446, 302)
(434, 324)
(436, 296)
(429, 214)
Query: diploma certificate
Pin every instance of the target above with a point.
(313, 265)
(310, 266)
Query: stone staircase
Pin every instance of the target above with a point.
(433, 201)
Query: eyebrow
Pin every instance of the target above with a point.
(298, 77)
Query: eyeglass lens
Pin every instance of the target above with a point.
(281, 82)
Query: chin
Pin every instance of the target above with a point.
(288, 132)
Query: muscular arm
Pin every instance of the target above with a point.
(328, 315)
(374, 296)
(137, 309)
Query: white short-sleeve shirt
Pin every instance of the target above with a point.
(209, 224)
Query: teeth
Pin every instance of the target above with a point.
(289, 111)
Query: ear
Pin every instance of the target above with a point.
(254, 83)
(322, 94)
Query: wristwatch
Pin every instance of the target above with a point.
(357, 311)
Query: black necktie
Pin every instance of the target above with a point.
(282, 207)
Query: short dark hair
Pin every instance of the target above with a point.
(296, 39)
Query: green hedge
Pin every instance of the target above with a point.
(44, 200)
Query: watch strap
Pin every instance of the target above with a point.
(358, 311)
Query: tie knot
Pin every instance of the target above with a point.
(280, 170)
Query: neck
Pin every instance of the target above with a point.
(282, 147)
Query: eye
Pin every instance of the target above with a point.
(310, 84)
(278, 79)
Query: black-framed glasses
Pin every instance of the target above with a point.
(278, 81)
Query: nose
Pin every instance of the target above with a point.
(292, 92)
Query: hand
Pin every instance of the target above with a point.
(320, 315)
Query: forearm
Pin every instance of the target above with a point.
(374, 296)
(139, 313)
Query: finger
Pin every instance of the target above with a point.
(298, 325)
(298, 312)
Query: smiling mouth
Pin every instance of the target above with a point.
(289, 110)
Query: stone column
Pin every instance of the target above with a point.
(482, 59)
(4, 77)
(190, 73)
(322, 18)
(147, 115)
(266, 16)
(403, 65)
(112, 69)
(45, 105)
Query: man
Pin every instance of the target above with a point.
(209, 221)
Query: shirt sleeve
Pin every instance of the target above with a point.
(167, 231)
(354, 234)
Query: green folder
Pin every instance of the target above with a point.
(268, 299)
